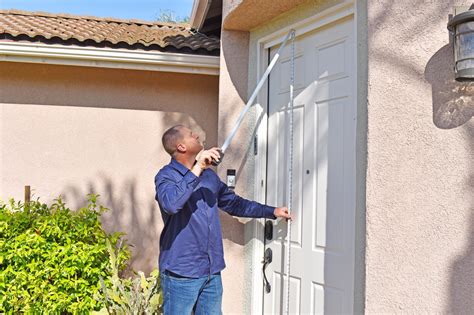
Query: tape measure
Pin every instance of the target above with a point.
(290, 173)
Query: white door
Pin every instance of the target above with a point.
(322, 240)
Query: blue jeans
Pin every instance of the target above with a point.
(182, 295)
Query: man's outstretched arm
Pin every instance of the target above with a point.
(235, 205)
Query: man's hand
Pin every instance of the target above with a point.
(282, 212)
(204, 160)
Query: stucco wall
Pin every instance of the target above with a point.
(232, 98)
(420, 219)
(77, 130)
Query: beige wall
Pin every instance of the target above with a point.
(77, 130)
(420, 219)
(232, 98)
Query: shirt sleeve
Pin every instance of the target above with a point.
(171, 193)
(235, 205)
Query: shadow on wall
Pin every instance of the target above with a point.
(461, 286)
(453, 102)
(140, 220)
(235, 47)
(238, 71)
(453, 106)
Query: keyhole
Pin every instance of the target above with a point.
(307, 172)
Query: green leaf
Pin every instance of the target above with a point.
(143, 282)
(155, 300)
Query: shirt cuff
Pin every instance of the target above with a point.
(269, 212)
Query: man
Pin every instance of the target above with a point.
(191, 253)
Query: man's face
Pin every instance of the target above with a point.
(190, 141)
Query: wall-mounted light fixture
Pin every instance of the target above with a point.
(461, 26)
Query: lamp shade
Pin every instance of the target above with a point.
(462, 28)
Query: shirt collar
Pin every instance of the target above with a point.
(178, 166)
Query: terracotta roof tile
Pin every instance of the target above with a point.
(104, 32)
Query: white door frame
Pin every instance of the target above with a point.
(330, 15)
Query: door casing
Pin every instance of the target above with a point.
(325, 17)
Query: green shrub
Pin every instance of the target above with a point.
(137, 296)
(51, 258)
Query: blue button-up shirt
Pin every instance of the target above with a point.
(191, 240)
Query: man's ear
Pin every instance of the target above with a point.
(181, 148)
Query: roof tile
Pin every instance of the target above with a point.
(86, 30)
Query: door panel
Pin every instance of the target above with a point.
(322, 240)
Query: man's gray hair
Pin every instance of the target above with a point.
(171, 137)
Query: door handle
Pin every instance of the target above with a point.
(267, 259)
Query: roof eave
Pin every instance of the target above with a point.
(249, 14)
(109, 58)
